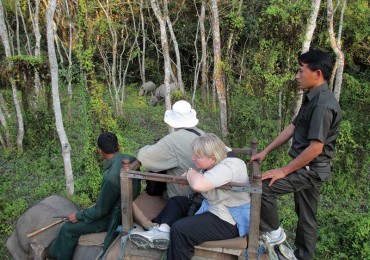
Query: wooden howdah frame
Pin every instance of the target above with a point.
(129, 172)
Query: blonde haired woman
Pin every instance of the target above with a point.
(223, 214)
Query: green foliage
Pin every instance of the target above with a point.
(10, 211)
(22, 69)
(260, 41)
(177, 95)
(356, 32)
(346, 235)
(235, 21)
(282, 21)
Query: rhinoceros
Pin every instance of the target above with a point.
(40, 215)
(147, 87)
(160, 93)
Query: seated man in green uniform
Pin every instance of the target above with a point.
(105, 215)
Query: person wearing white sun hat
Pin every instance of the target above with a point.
(172, 153)
(181, 115)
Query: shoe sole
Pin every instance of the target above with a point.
(279, 241)
(287, 252)
(143, 242)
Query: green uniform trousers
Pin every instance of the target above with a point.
(306, 188)
(63, 246)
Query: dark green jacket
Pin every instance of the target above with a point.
(108, 204)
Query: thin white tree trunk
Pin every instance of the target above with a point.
(36, 29)
(66, 148)
(3, 114)
(123, 75)
(17, 28)
(166, 54)
(197, 66)
(311, 25)
(177, 52)
(136, 42)
(5, 40)
(2, 141)
(113, 65)
(144, 43)
(28, 45)
(69, 55)
(336, 45)
(218, 71)
(204, 78)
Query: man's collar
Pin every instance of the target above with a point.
(111, 160)
(315, 91)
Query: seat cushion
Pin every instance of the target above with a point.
(148, 206)
(93, 239)
(234, 243)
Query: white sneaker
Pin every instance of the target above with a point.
(153, 238)
(274, 239)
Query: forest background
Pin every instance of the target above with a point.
(235, 61)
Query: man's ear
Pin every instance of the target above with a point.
(119, 147)
(318, 74)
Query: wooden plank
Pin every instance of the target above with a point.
(255, 207)
(182, 180)
(126, 198)
(204, 253)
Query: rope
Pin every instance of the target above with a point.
(124, 240)
(259, 253)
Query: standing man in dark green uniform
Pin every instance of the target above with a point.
(314, 131)
(105, 215)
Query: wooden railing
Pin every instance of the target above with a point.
(129, 172)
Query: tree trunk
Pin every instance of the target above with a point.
(144, 43)
(166, 54)
(311, 25)
(5, 40)
(27, 45)
(204, 78)
(197, 66)
(111, 62)
(66, 148)
(336, 45)
(17, 28)
(69, 55)
(218, 71)
(176, 47)
(36, 30)
(7, 142)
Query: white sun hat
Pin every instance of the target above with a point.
(181, 115)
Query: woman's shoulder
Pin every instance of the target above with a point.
(233, 160)
(231, 163)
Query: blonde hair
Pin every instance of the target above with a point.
(209, 145)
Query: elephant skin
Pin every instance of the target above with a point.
(36, 217)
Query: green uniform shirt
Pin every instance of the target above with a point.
(318, 119)
(110, 192)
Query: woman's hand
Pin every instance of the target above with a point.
(182, 186)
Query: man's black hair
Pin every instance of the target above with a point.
(108, 142)
(317, 60)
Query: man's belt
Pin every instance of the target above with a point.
(314, 165)
(319, 164)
